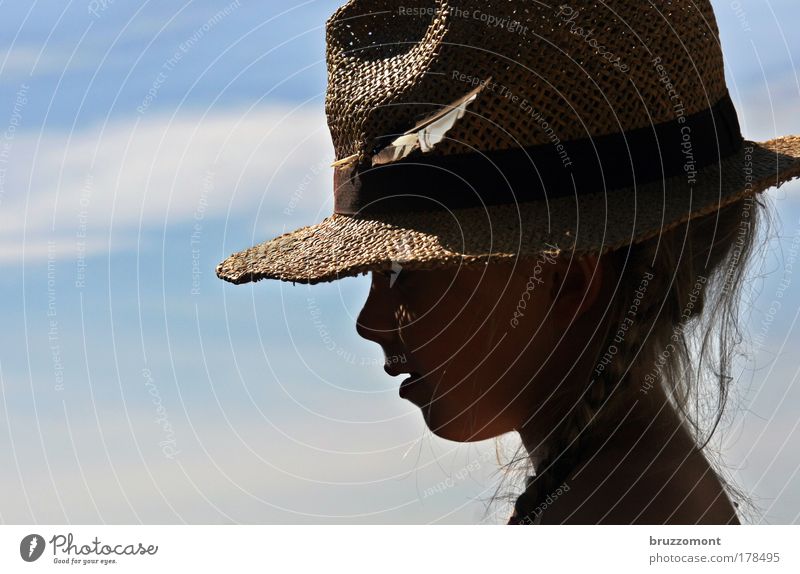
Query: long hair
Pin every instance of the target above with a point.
(686, 286)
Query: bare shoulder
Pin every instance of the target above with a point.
(610, 490)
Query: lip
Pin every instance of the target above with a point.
(408, 384)
(393, 369)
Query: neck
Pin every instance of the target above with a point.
(637, 418)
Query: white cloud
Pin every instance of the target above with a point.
(23, 62)
(768, 110)
(155, 171)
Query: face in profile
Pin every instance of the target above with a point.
(478, 347)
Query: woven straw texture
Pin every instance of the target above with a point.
(387, 68)
(557, 73)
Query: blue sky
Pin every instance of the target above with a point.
(137, 387)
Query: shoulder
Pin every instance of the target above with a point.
(604, 491)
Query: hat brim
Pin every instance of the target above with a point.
(347, 246)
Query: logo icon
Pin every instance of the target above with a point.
(31, 547)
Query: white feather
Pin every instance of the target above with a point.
(428, 133)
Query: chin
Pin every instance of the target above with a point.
(445, 426)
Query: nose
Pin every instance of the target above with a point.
(376, 321)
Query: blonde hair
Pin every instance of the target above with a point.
(685, 289)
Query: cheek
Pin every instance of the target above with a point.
(448, 334)
(481, 365)
(500, 370)
(464, 386)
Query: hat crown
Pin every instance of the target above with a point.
(571, 71)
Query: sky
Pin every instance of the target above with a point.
(148, 141)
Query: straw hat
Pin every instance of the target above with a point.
(502, 129)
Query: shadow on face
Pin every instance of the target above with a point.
(484, 345)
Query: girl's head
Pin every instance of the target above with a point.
(550, 346)
(485, 345)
